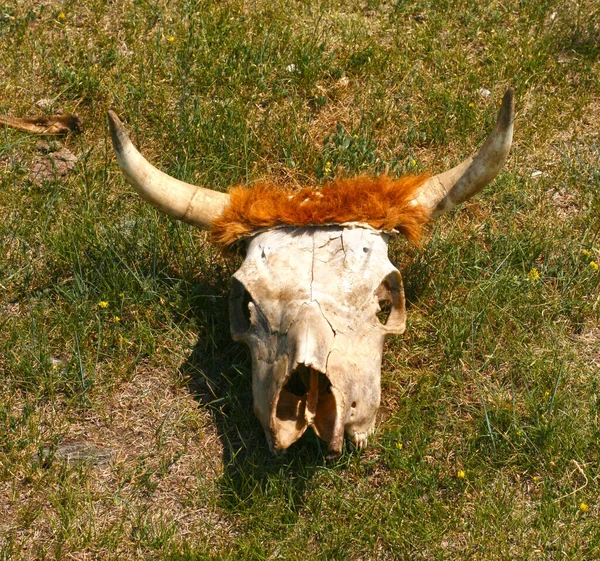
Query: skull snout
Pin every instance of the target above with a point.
(308, 398)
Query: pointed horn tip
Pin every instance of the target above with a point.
(117, 131)
(506, 115)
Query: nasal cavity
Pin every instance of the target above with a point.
(303, 378)
(308, 386)
(299, 382)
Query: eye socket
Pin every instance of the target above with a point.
(392, 311)
(239, 308)
(385, 308)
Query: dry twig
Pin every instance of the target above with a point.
(45, 124)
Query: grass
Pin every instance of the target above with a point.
(498, 375)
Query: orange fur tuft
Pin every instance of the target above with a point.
(381, 202)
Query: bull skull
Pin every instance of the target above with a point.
(306, 299)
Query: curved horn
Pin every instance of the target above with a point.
(446, 190)
(195, 205)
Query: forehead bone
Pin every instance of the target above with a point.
(337, 267)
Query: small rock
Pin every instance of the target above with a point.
(46, 146)
(45, 103)
(536, 173)
(565, 202)
(483, 92)
(80, 452)
(53, 166)
(43, 146)
(291, 68)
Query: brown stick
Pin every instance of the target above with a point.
(45, 124)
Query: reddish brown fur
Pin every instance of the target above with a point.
(381, 202)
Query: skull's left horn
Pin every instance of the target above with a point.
(195, 205)
(446, 190)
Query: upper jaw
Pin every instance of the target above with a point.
(308, 398)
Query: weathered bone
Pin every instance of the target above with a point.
(307, 297)
(305, 301)
(195, 205)
(46, 124)
(443, 192)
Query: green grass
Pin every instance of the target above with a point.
(498, 375)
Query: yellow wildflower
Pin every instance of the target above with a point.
(170, 38)
(584, 507)
(413, 162)
(586, 253)
(593, 265)
(461, 474)
(103, 304)
(546, 393)
(533, 275)
(116, 319)
(399, 445)
(471, 104)
(61, 15)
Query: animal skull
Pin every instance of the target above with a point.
(305, 301)
(307, 297)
